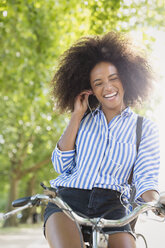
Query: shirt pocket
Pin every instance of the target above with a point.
(122, 158)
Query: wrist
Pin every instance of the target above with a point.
(77, 115)
(150, 196)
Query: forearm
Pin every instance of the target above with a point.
(67, 141)
(150, 196)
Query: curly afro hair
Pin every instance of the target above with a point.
(73, 73)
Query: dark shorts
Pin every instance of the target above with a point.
(92, 203)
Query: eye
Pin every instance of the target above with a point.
(98, 84)
(114, 79)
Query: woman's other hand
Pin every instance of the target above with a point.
(162, 198)
(162, 201)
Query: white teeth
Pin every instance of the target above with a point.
(110, 95)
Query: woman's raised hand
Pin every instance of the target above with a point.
(67, 141)
(81, 102)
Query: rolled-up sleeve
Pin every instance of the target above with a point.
(63, 161)
(146, 170)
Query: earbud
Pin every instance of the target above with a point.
(90, 92)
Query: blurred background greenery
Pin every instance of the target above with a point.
(33, 33)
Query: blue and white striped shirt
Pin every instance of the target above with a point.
(105, 153)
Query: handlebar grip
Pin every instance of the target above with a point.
(21, 201)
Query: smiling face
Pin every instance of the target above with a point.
(107, 87)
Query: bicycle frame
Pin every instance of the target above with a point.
(96, 223)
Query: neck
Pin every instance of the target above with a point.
(111, 113)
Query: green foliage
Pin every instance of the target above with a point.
(33, 33)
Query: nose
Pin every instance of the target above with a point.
(107, 85)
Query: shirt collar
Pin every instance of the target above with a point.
(98, 109)
(126, 112)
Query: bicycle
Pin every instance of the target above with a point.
(96, 239)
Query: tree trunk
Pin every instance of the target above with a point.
(11, 221)
(29, 192)
(15, 177)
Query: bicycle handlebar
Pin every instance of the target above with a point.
(27, 202)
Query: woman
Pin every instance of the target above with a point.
(99, 78)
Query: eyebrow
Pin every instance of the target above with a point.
(111, 75)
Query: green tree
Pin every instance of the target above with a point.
(30, 130)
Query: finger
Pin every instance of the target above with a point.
(81, 98)
(90, 92)
(86, 92)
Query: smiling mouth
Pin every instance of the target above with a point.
(110, 96)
